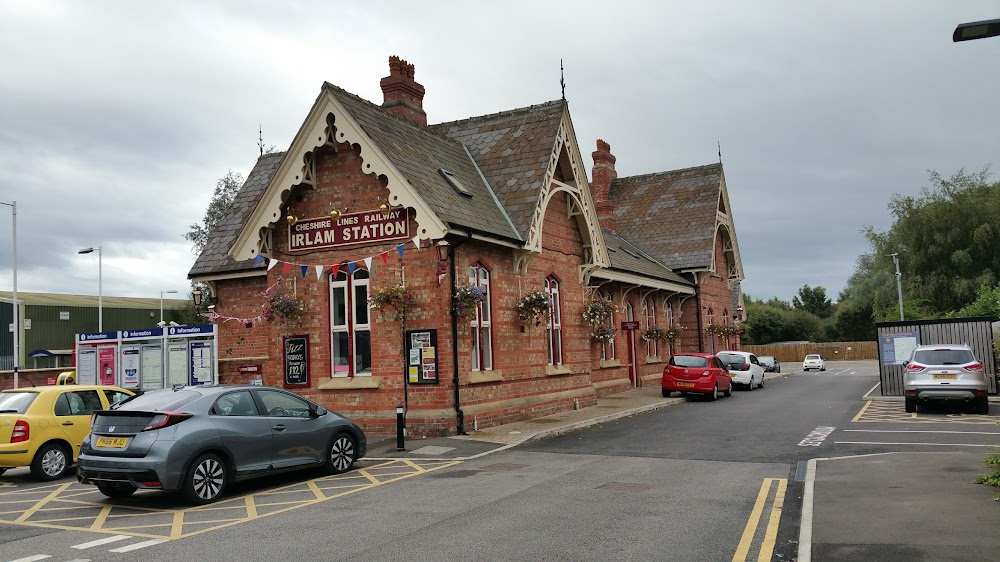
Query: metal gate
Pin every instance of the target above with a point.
(977, 333)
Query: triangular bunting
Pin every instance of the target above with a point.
(285, 268)
(334, 269)
(319, 271)
(401, 248)
(258, 260)
(385, 257)
(368, 264)
(416, 241)
(304, 269)
(271, 264)
(351, 266)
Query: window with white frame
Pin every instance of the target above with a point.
(649, 319)
(482, 332)
(670, 314)
(608, 349)
(350, 335)
(553, 325)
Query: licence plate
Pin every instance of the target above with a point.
(112, 442)
(948, 377)
(685, 384)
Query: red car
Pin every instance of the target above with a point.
(698, 373)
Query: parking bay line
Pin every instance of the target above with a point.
(921, 431)
(33, 558)
(99, 542)
(916, 444)
(138, 545)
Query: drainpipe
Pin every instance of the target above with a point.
(454, 337)
(697, 304)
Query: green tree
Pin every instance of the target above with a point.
(814, 301)
(225, 191)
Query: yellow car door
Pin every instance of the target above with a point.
(72, 415)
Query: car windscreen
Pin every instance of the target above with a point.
(688, 361)
(16, 402)
(944, 356)
(812, 357)
(158, 401)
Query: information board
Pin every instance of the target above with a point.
(86, 366)
(898, 346)
(296, 360)
(177, 363)
(152, 367)
(106, 364)
(201, 362)
(421, 353)
(131, 364)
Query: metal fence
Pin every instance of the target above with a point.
(897, 338)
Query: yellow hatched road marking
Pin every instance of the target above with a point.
(862, 412)
(893, 412)
(34, 509)
(101, 518)
(771, 532)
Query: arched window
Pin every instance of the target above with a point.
(608, 349)
(350, 331)
(649, 320)
(553, 325)
(482, 333)
(670, 314)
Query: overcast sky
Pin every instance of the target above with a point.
(118, 118)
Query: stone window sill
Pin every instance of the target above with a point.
(349, 383)
(654, 359)
(479, 377)
(610, 363)
(552, 370)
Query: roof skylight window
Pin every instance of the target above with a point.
(455, 183)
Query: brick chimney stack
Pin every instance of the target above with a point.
(603, 174)
(402, 95)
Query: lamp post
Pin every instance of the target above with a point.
(100, 288)
(196, 297)
(17, 312)
(899, 285)
(976, 30)
(161, 302)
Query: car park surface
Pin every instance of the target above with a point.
(43, 427)
(698, 373)
(197, 440)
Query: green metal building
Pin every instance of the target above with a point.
(51, 322)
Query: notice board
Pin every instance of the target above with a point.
(421, 353)
(296, 360)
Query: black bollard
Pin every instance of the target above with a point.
(400, 423)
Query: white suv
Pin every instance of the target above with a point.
(813, 361)
(945, 372)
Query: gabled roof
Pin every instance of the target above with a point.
(628, 257)
(215, 257)
(673, 215)
(513, 149)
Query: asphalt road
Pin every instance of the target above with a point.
(696, 481)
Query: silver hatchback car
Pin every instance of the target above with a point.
(198, 439)
(945, 372)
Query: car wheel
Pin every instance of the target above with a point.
(715, 393)
(729, 391)
(116, 490)
(666, 393)
(750, 386)
(51, 462)
(341, 455)
(911, 405)
(823, 369)
(206, 480)
(777, 370)
(982, 405)
(761, 385)
(683, 394)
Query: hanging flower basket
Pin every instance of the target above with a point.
(466, 301)
(674, 333)
(533, 306)
(654, 333)
(278, 307)
(716, 329)
(599, 311)
(396, 298)
(603, 334)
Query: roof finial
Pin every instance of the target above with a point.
(260, 138)
(720, 151)
(562, 79)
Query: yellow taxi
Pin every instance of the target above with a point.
(42, 427)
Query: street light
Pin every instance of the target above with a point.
(100, 290)
(899, 285)
(161, 302)
(976, 30)
(17, 313)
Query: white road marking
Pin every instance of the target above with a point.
(79, 560)
(921, 431)
(816, 437)
(33, 558)
(99, 542)
(805, 526)
(917, 444)
(138, 545)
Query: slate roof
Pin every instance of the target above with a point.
(513, 149)
(671, 214)
(215, 257)
(418, 152)
(61, 299)
(627, 257)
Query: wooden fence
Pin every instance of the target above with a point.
(831, 351)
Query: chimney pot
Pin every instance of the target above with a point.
(603, 174)
(402, 95)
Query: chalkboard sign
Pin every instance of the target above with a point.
(297, 361)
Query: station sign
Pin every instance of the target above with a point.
(190, 330)
(630, 325)
(368, 227)
(97, 336)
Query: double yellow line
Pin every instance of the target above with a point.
(771, 534)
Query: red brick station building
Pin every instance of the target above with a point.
(370, 197)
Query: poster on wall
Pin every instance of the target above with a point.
(106, 364)
(201, 362)
(131, 363)
(152, 367)
(898, 346)
(86, 365)
(421, 348)
(297, 361)
(177, 363)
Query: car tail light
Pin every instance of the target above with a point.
(706, 373)
(152, 484)
(745, 367)
(914, 368)
(166, 420)
(21, 432)
(974, 367)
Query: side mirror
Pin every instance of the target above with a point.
(317, 411)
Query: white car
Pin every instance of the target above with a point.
(744, 368)
(813, 362)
